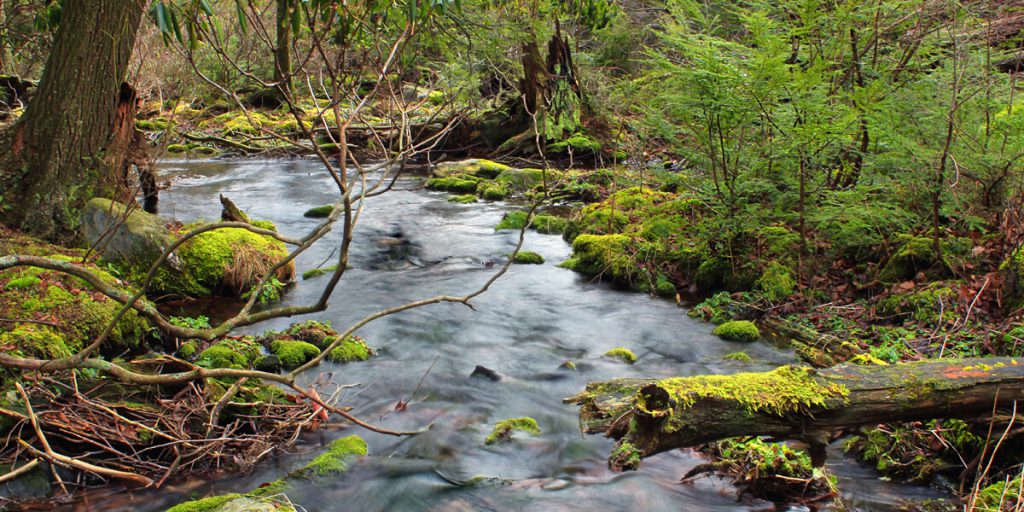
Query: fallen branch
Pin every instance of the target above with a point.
(652, 416)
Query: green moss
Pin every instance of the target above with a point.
(319, 212)
(738, 330)
(352, 349)
(478, 168)
(177, 149)
(230, 353)
(522, 180)
(462, 184)
(623, 354)
(663, 286)
(462, 199)
(578, 143)
(568, 365)
(264, 224)
(777, 282)
(337, 457)
(158, 124)
(763, 459)
(999, 496)
(22, 283)
(188, 349)
(737, 356)
(718, 309)
(39, 341)
(229, 261)
(605, 255)
(785, 390)
(549, 224)
(294, 353)
(923, 305)
(492, 191)
(513, 220)
(625, 456)
(917, 254)
(503, 430)
(528, 258)
(210, 504)
(317, 272)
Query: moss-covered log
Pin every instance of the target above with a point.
(652, 416)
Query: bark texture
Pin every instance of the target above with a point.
(652, 416)
(72, 142)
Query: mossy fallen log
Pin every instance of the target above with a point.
(650, 416)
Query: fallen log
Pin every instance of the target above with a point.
(650, 416)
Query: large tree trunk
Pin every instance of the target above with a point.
(70, 145)
(282, 48)
(652, 416)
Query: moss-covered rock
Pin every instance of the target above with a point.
(352, 349)
(319, 212)
(481, 168)
(227, 261)
(337, 458)
(917, 254)
(513, 220)
(503, 430)
(738, 330)
(235, 353)
(622, 354)
(777, 283)
(923, 305)
(123, 235)
(608, 256)
(458, 184)
(528, 258)
(492, 191)
(737, 356)
(463, 199)
(293, 353)
(549, 224)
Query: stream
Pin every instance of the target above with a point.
(412, 243)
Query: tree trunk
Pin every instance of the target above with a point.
(72, 142)
(282, 54)
(652, 416)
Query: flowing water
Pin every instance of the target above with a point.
(410, 244)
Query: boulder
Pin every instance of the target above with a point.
(124, 235)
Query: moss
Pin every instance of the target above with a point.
(923, 305)
(492, 191)
(210, 504)
(718, 309)
(528, 258)
(39, 341)
(158, 124)
(230, 353)
(229, 261)
(352, 348)
(319, 212)
(663, 286)
(737, 356)
(568, 365)
(785, 390)
(738, 330)
(623, 354)
(264, 224)
(462, 199)
(606, 255)
(549, 224)
(777, 282)
(513, 220)
(578, 143)
(763, 459)
(867, 360)
(337, 457)
(317, 272)
(626, 456)
(527, 179)
(917, 254)
(478, 168)
(462, 184)
(177, 149)
(22, 283)
(294, 353)
(503, 430)
(999, 496)
(188, 349)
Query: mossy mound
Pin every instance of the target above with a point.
(737, 356)
(503, 430)
(738, 330)
(60, 314)
(227, 261)
(458, 184)
(319, 212)
(337, 457)
(549, 224)
(293, 353)
(923, 305)
(352, 349)
(622, 354)
(238, 353)
(606, 256)
(475, 167)
(513, 220)
(916, 254)
(463, 199)
(777, 282)
(528, 258)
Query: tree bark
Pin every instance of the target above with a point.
(282, 48)
(652, 416)
(73, 140)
